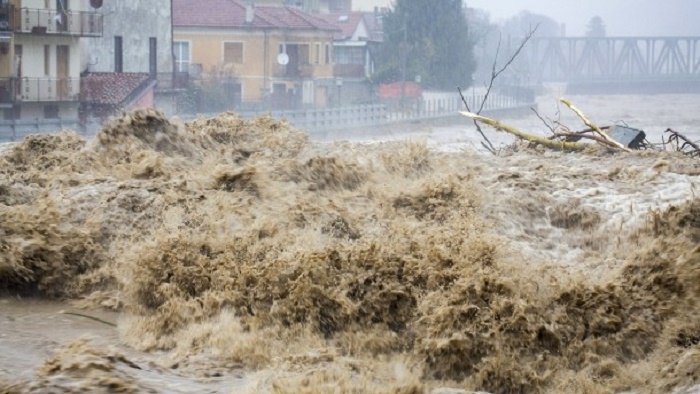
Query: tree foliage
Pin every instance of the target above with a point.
(496, 42)
(595, 27)
(520, 24)
(431, 37)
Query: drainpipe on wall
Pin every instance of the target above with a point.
(172, 40)
(266, 62)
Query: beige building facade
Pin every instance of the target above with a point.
(266, 54)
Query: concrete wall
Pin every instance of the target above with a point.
(135, 21)
(259, 69)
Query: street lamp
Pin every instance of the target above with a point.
(339, 84)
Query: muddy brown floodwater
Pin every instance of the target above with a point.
(235, 256)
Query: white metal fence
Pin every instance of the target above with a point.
(317, 120)
(378, 114)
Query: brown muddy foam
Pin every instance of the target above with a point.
(235, 244)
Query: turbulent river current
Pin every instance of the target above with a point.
(245, 256)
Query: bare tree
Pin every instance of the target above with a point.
(495, 73)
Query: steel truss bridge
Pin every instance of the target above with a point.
(615, 59)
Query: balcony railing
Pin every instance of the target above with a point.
(47, 21)
(293, 71)
(47, 89)
(173, 81)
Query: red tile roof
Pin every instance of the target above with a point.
(232, 13)
(347, 23)
(110, 88)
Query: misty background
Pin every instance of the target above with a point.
(621, 17)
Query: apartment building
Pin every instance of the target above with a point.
(131, 64)
(262, 55)
(40, 60)
(353, 56)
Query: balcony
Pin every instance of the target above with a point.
(53, 22)
(293, 71)
(47, 89)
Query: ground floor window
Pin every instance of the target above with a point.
(181, 50)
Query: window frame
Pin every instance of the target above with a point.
(350, 55)
(177, 53)
(223, 52)
(118, 54)
(47, 60)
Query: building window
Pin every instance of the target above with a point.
(304, 54)
(47, 60)
(318, 53)
(153, 55)
(349, 55)
(17, 64)
(118, 55)
(181, 49)
(51, 112)
(233, 52)
(328, 54)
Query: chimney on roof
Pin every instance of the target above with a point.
(249, 12)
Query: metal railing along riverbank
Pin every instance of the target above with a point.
(319, 120)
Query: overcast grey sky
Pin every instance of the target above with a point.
(621, 17)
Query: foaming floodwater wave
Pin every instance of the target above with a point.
(240, 257)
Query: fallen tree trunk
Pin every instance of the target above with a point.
(595, 128)
(551, 144)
